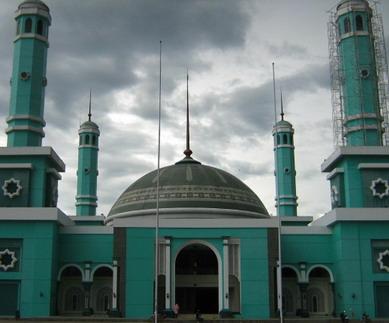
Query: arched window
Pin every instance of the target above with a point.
(284, 139)
(80, 143)
(347, 25)
(359, 22)
(28, 25)
(291, 140)
(278, 139)
(87, 140)
(315, 300)
(93, 140)
(18, 28)
(39, 27)
(104, 299)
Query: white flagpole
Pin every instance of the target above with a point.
(157, 197)
(279, 262)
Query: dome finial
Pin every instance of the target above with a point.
(187, 151)
(282, 107)
(90, 105)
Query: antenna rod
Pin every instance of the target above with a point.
(157, 199)
(187, 151)
(279, 262)
(90, 105)
(282, 108)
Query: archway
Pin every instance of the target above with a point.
(101, 290)
(71, 294)
(319, 292)
(290, 291)
(196, 270)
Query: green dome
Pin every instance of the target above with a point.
(186, 185)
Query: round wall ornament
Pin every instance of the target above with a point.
(11, 187)
(7, 259)
(383, 260)
(380, 187)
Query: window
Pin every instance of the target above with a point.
(80, 143)
(87, 140)
(359, 22)
(28, 25)
(284, 139)
(39, 27)
(347, 25)
(93, 140)
(278, 139)
(18, 28)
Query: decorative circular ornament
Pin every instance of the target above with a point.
(11, 188)
(383, 260)
(7, 259)
(334, 195)
(380, 187)
(364, 73)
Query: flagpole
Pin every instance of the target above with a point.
(157, 190)
(279, 261)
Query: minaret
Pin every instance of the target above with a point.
(86, 198)
(26, 121)
(286, 200)
(362, 118)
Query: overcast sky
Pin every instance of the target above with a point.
(228, 47)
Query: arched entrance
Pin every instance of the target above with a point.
(196, 277)
(319, 292)
(101, 291)
(290, 291)
(71, 294)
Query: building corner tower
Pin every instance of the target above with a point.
(87, 172)
(358, 170)
(286, 198)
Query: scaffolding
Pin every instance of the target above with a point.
(337, 76)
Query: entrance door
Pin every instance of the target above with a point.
(197, 280)
(382, 299)
(9, 297)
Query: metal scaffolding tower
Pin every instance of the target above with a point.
(336, 75)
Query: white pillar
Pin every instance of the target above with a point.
(115, 285)
(168, 295)
(226, 295)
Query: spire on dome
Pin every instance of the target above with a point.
(282, 108)
(187, 151)
(90, 105)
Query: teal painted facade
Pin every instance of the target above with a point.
(216, 237)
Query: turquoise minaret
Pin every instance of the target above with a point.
(25, 121)
(285, 167)
(362, 118)
(86, 199)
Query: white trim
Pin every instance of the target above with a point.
(92, 274)
(297, 272)
(334, 172)
(16, 166)
(89, 146)
(352, 215)
(86, 197)
(351, 6)
(86, 203)
(219, 269)
(34, 213)
(192, 211)
(323, 267)
(90, 129)
(33, 11)
(34, 151)
(373, 165)
(353, 151)
(305, 230)
(148, 222)
(86, 229)
(67, 266)
(283, 146)
(25, 128)
(26, 117)
(114, 284)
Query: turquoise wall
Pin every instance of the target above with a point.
(140, 266)
(37, 265)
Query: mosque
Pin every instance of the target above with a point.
(218, 246)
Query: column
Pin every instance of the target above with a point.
(114, 312)
(225, 275)
(87, 284)
(168, 304)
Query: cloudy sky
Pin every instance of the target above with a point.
(228, 47)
